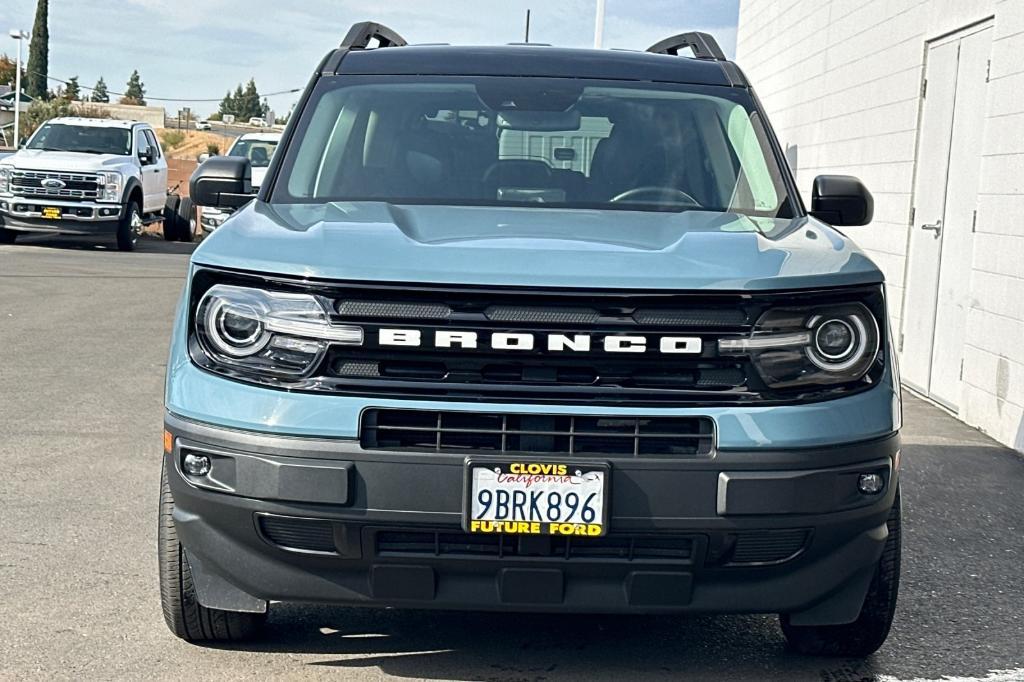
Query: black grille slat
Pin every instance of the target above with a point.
(670, 548)
(571, 435)
(768, 547)
(307, 535)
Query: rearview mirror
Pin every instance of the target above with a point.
(841, 200)
(203, 157)
(222, 182)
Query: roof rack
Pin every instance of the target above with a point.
(362, 34)
(704, 46)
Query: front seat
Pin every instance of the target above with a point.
(624, 161)
(259, 157)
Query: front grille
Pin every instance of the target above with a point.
(303, 535)
(667, 548)
(572, 355)
(76, 186)
(768, 547)
(569, 435)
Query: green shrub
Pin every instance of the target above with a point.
(213, 149)
(171, 138)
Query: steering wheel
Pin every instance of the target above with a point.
(657, 193)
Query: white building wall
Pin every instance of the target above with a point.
(841, 82)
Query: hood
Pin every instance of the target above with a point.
(37, 159)
(573, 248)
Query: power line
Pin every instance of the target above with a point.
(169, 99)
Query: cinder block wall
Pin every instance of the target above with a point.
(841, 82)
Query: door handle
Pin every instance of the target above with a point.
(935, 227)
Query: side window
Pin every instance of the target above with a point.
(151, 138)
(140, 142)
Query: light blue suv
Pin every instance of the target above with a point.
(535, 329)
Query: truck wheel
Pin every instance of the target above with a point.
(7, 236)
(129, 228)
(186, 220)
(170, 228)
(184, 615)
(863, 636)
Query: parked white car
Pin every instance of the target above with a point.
(84, 176)
(257, 122)
(203, 125)
(259, 148)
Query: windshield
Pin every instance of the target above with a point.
(259, 152)
(533, 142)
(61, 137)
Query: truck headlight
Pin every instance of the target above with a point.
(267, 332)
(5, 179)
(822, 345)
(112, 186)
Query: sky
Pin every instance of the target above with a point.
(197, 49)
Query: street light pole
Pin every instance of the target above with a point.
(599, 25)
(20, 36)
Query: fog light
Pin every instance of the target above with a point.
(870, 484)
(196, 465)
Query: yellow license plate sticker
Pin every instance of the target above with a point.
(51, 213)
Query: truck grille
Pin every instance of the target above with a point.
(590, 370)
(76, 186)
(429, 431)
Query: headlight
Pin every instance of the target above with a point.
(796, 346)
(112, 186)
(5, 179)
(267, 332)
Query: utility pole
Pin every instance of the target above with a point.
(20, 36)
(599, 25)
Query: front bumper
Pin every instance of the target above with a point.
(25, 214)
(323, 520)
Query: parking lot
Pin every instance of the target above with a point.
(83, 340)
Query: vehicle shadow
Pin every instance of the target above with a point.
(504, 646)
(148, 243)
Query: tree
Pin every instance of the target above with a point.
(227, 105)
(39, 53)
(99, 92)
(135, 93)
(71, 90)
(7, 69)
(251, 105)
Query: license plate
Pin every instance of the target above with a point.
(536, 498)
(51, 212)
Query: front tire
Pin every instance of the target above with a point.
(184, 615)
(865, 635)
(129, 227)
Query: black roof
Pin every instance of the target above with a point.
(536, 60)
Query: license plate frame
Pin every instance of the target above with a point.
(597, 528)
(52, 212)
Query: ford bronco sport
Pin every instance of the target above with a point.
(536, 329)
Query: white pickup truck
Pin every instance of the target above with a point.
(84, 176)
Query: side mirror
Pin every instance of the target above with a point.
(222, 182)
(841, 200)
(147, 156)
(203, 157)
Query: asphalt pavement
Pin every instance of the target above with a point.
(83, 343)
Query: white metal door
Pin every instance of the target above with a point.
(941, 241)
